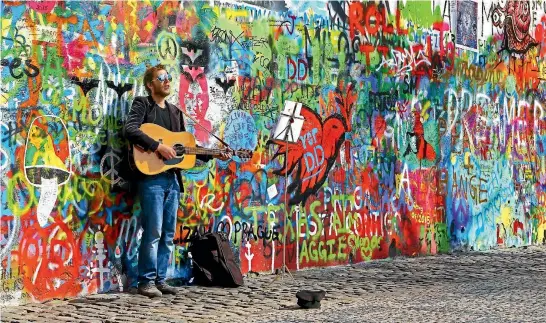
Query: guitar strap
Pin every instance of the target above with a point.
(197, 123)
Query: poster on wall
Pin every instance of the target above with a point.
(467, 25)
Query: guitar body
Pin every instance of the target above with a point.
(151, 163)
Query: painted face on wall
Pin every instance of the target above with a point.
(194, 89)
(517, 23)
(468, 22)
(521, 17)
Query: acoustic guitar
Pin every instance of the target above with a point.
(151, 163)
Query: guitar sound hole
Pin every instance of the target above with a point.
(179, 149)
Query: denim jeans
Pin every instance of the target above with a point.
(159, 199)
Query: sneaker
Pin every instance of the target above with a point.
(166, 289)
(149, 289)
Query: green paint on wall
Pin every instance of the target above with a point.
(420, 12)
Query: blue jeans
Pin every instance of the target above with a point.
(159, 200)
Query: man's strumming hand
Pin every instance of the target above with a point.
(166, 151)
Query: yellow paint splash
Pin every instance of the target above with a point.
(540, 232)
(505, 216)
(149, 26)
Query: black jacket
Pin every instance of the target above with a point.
(143, 110)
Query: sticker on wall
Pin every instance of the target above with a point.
(47, 161)
(272, 191)
(467, 25)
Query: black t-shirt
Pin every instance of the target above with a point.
(163, 117)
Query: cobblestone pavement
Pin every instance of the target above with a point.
(507, 285)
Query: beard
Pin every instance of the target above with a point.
(161, 91)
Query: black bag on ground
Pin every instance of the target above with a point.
(213, 261)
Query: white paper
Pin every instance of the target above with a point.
(48, 197)
(287, 131)
(272, 191)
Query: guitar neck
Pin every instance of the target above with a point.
(202, 151)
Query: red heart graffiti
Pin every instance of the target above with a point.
(312, 157)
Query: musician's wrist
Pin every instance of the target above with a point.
(155, 147)
(160, 147)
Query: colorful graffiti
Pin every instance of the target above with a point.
(424, 132)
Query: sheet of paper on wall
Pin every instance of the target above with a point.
(290, 122)
(48, 197)
(272, 191)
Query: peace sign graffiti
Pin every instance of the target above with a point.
(108, 169)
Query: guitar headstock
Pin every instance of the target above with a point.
(244, 154)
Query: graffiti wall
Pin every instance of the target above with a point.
(424, 131)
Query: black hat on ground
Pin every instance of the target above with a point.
(309, 298)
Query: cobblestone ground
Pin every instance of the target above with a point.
(507, 285)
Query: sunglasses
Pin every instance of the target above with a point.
(163, 77)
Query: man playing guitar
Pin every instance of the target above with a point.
(159, 194)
